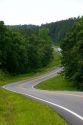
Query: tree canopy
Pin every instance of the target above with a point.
(72, 51)
(58, 30)
(24, 52)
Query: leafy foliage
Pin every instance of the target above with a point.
(25, 30)
(58, 30)
(20, 53)
(72, 51)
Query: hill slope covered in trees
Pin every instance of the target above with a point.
(57, 30)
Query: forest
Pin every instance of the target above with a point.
(56, 30)
(25, 48)
(72, 54)
(24, 53)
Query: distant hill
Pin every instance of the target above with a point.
(25, 30)
(57, 30)
(25, 26)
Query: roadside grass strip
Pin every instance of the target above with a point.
(57, 83)
(16, 109)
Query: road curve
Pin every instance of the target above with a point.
(67, 104)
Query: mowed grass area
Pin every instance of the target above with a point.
(7, 78)
(16, 109)
(57, 83)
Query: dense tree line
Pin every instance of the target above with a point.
(25, 30)
(72, 51)
(58, 30)
(20, 53)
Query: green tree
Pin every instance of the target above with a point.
(40, 50)
(24, 53)
(17, 56)
(72, 51)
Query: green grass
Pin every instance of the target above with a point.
(7, 78)
(16, 109)
(57, 83)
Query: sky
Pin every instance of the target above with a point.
(38, 12)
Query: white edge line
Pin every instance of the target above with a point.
(59, 106)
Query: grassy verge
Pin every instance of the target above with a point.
(57, 83)
(16, 109)
(7, 78)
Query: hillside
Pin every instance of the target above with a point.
(57, 30)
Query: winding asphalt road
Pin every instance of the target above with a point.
(67, 104)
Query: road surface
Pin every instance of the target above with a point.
(67, 104)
